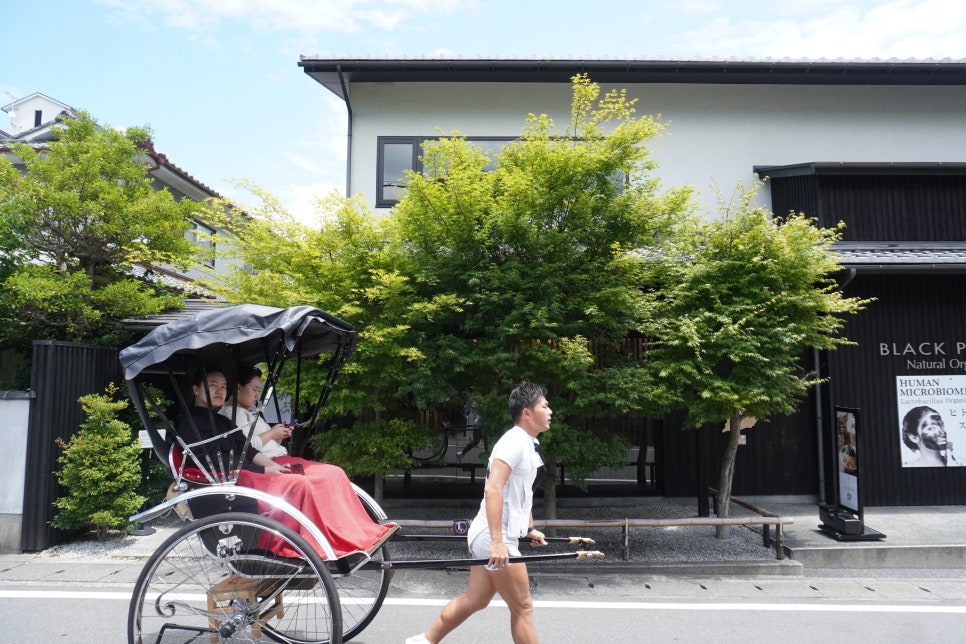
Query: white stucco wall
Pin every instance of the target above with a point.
(23, 113)
(716, 134)
(15, 411)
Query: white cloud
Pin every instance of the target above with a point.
(694, 6)
(898, 29)
(346, 16)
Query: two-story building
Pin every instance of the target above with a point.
(49, 409)
(33, 120)
(876, 144)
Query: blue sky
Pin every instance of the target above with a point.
(218, 80)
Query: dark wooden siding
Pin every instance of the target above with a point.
(62, 373)
(878, 208)
(910, 308)
(780, 457)
(795, 195)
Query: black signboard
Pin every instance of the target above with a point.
(844, 520)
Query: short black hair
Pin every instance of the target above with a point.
(199, 375)
(910, 425)
(246, 373)
(524, 396)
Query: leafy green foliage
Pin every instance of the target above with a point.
(480, 278)
(373, 448)
(739, 301)
(72, 225)
(99, 469)
(741, 298)
(155, 477)
(540, 253)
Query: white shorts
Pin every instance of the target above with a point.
(480, 546)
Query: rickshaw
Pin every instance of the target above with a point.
(248, 566)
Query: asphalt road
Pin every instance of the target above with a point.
(576, 608)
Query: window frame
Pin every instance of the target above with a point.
(205, 241)
(417, 166)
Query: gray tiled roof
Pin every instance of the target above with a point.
(191, 306)
(893, 255)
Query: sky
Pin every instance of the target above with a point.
(218, 81)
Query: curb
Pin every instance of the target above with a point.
(706, 569)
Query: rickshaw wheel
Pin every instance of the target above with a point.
(236, 577)
(361, 595)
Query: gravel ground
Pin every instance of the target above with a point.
(646, 545)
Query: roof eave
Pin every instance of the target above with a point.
(326, 71)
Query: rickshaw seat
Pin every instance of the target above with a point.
(190, 474)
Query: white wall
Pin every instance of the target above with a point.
(15, 411)
(716, 134)
(24, 113)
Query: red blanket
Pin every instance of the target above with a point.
(325, 495)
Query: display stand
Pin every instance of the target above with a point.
(843, 525)
(844, 521)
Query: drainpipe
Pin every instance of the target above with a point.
(819, 426)
(348, 151)
(819, 406)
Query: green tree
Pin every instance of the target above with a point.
(480, 278)
(345, 267)
(100, 469)
(541, 252)
(740, 299)
(73, 223)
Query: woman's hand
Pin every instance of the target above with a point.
(499, 556)
(536, 538)
(276, 468)
(278, 433)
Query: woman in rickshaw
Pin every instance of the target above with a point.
(239, 407)
(322, 492)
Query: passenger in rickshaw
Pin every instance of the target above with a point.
(267, 439)
(322, 492)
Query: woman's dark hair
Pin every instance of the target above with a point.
(524, 396)
(246, 373)
(198, 376)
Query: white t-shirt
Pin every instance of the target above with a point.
(517, 449)
(244, 418)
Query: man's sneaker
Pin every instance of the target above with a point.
(417, 639)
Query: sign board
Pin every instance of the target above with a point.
(932, 419)
(847, 457)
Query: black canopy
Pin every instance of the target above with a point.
(243, 332)
(224, 339)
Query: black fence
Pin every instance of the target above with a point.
(62, 372)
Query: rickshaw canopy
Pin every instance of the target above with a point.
(241, 331)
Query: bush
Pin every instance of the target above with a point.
(100, 470)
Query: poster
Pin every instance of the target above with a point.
(848, 458)
(931, 419)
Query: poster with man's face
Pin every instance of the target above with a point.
(932, 419)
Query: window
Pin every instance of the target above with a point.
(204, 238)
(38, 118)
(397, 154)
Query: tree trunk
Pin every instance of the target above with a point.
(550, 490)
(378, 485)
(727, 474)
